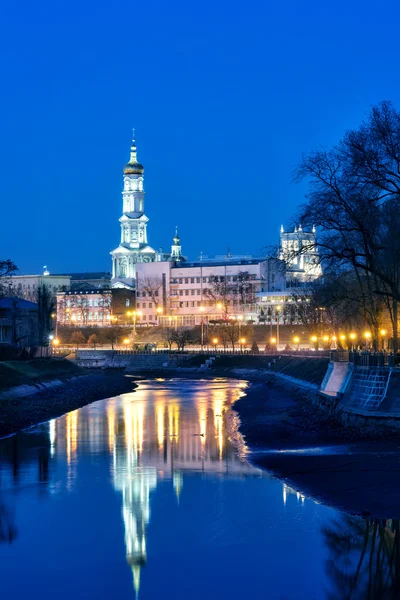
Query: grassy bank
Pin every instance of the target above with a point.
(17, 372)
(311, 370)
(18, 413)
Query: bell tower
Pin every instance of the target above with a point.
(133, 247)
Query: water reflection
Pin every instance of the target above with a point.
(147, 447)
(364, 561)
(156, 433)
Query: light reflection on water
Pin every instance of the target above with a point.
(155, 482)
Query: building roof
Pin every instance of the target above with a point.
(12, 302)
(87, 275)
(221, 263)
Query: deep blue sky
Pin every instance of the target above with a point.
(224, 96)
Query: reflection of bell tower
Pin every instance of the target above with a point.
(135, 483)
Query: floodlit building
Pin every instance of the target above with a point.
(298, 248)
(26, 286)
(182, 293)
(133, 248)
(92, 307)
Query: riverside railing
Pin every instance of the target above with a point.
(373, 359)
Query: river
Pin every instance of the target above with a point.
(151, 495)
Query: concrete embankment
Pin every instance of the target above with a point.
(35, 391)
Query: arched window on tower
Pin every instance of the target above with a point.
(122, 269)
(140, 204)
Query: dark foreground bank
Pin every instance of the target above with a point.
(75, 391)
(355, 471)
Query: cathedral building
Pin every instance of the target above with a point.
(133, 247)
(298, 248)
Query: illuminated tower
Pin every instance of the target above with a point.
(133, 247)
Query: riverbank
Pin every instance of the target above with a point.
(344, 467)
(62, 387)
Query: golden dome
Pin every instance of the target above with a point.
(133, 167)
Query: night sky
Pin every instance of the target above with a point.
(224, 97)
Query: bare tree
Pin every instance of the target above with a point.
(220, 291)
(354, 196)
(105, 303)
(7, 269)
(152, 286)
(46, 302)
(77, 338)
(81, 303)
(169, 337)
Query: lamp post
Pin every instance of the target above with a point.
(296, 340)
(367, 335)
(383, 333)
(277, 310)
(134, 314)
(314, 340)
(242, 341)
(273, 341)
(215, 342)
(201, 309)
(352, 336)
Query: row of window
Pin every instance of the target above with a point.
(144, 305)
(84, 302)
(149, 294)
(210, 279)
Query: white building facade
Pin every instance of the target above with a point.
(184, 293)
(27, 286)
(133, 248)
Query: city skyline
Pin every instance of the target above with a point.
(222, 118)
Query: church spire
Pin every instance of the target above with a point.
(176, 248)
(133, 167)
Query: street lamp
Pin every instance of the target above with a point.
(242, 341)
(296, 340)
(202, 309)
(215, 342)
(367, 335)
(352, 336)
(314, 340)
(383, 333)
(126, 341)
(277, 310)
(134, 314)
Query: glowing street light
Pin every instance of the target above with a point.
(55, 342)
(126, 341)
(383, 333)
(215, 342)
(273, 340)
(159, 310)
(367, 335)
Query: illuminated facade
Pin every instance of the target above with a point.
(298, 248)
(133, 247)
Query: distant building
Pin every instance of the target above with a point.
(92, 307)
(298, 248)
(89, 280)
(26, 286)
(183, 293)
(19, 322)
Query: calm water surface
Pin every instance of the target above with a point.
(150, 495)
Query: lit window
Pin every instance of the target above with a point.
(127, 302)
